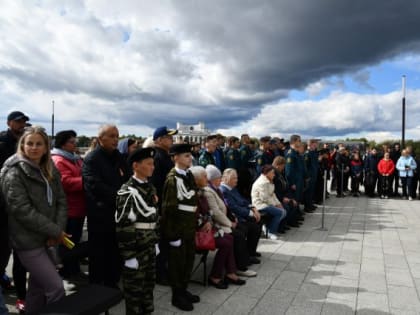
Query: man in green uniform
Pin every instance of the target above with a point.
(207, 156)
(233, 157)
(137, 233)
(179, 204)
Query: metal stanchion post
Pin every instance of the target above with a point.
(322, 228)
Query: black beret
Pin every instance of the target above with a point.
(179, 148)
(62, 137)
(141, 154)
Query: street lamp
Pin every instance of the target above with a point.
(403, 113)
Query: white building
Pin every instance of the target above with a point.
(191, 133)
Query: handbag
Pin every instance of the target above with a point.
(205, 240)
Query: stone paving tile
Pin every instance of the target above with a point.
(343, 289)
(274, 302)
(372, 301)
(373, 283)
(399, 277)
(307, 309)
(289, 281)
(403, 298)
(237, 305)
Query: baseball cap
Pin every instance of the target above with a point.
(164, 131)
(16, 115)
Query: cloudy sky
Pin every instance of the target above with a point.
(329, 69)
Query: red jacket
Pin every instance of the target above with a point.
(386, 167)
(71, 178)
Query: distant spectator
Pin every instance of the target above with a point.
(386, 169)
(405, 165)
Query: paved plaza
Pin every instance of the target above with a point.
(367, 262)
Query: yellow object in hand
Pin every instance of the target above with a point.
(67, 242)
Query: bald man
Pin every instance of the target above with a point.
(104, 171)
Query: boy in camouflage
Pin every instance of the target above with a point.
(137, 233)
(179, 205)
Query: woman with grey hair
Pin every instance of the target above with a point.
(224, 261)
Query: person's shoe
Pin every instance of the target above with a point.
(382, 197)
(254, 261)
(294, 224)
(386, 196)
(218, 285)
(180, 301)
(257, 254)
(246, 273)
(286, 228)
(20, 306)
(6, 283)
(235, 282)
(410, 198)
(308, 210)
(339, 196)
(272, 236)
(192, 297)
(313, 207)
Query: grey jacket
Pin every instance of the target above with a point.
(36, 210)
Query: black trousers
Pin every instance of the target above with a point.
(104, 260)
(181, 261)
(71, 264)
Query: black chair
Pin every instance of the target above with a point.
(203, 261)
(90, 300)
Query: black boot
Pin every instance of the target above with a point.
(192, 297)
(180, 301)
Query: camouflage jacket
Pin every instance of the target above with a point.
(136, 203)
(179, 203)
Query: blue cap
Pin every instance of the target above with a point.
(163, 131)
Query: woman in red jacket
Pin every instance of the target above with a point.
(386, 168)
(69, 165)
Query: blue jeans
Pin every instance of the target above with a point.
(277, 215)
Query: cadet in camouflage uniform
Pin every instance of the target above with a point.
(179, 205)
(137, 233)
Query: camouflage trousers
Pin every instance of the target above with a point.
(139, 284)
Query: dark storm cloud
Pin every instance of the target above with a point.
(267, 45)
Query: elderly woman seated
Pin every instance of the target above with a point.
(224, 261)
(249, 219)
(265, 200)
(217, 204)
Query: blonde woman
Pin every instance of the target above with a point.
(37, 212)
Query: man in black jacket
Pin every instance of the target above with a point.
(163, 164)
(16, 121)
(395, 155)
(104, 171)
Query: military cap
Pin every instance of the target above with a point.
(179, 148)
(141, 154)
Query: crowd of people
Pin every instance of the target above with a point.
(144, 204)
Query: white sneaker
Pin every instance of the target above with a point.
(273, 237)
(246, 273)
(409, 198)
(386, 197)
